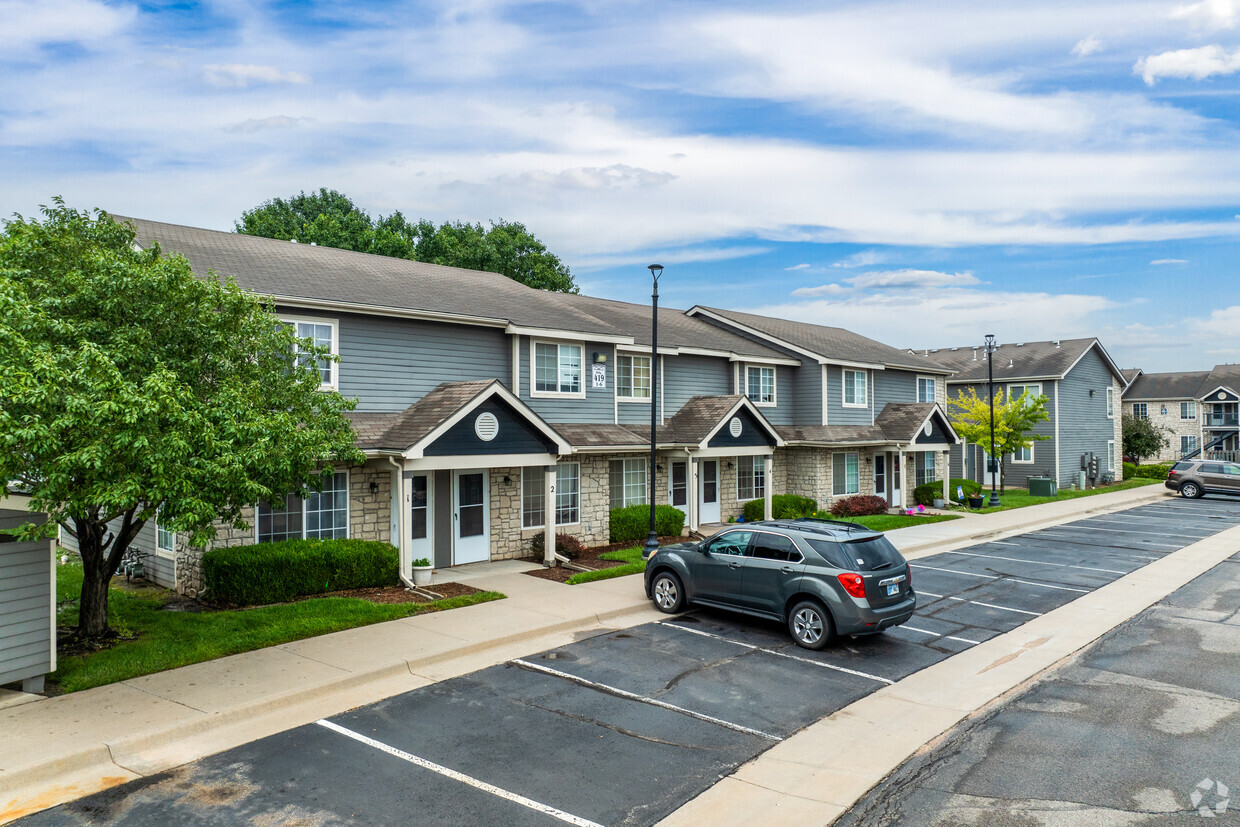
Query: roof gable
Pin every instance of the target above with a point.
(1021, 361)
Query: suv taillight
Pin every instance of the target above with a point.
(852, 583)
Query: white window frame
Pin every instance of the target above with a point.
(561, 493)
(1192, 446)
(919, 468)
(169, 552)
(632, 358)
(626, 469)
(1016, 456)
(759, 402)
(557, 394)
(1111, 455)
(334, 365)
(1111, 403)
(757, 478)
(835, 478)
(529, 479)
(1184, 406)
(348, 515)
(934, 388)
(864, 401)
(1023, 388)
(1145, 410)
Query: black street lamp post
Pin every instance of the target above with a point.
(993, 461)
(656, 270)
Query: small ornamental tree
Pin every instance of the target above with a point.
(129, 386)
(1142, 438)
(1014, 419)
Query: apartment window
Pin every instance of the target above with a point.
(1016, 391)
(1023, 455)
(632, 377)
(923, 466)
(165, 539)
(1140, 410)
(317, 516)
(925, 388)
(567, 496)
(855, 392)
(679, 483)
(1111, 456)
(1188, 410)
(628, 482)
(557, 368)
(750, 478)
(1111, 402)
(533, 498)
(760, 385)
(322, 332)
(1188, 444)
(845, 474)
(419, 507)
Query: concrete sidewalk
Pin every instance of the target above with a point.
(57, 749)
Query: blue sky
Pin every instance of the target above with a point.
(923, 173)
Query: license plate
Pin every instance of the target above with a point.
(893, 589)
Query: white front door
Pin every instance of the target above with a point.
(471, 519)
(897, 493)
(708, 491)
(420, 511)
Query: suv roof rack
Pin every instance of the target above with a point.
(840, 523)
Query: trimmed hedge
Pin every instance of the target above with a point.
(1153, 472)
(783, 507)
(278, 572)
(927, 493)
(859, 505)
(565, 544)
(632, 523)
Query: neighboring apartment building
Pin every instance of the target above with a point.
(1082, 386)
(490, 412)
(1197, 410)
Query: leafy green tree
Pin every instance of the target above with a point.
(330, 219)
(1142, 438)
(1014, 419)
(131, 386)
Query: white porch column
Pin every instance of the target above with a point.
(903, 477)
(768, 512)
(404, 534)
(549, 526)
(693, 494)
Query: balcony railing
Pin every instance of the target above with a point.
(1221, 421)
(1223, 456)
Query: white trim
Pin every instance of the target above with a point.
(581, 380)
(496, 388)
(1007, 389)
(348, 506)
(845, 454)
(555, 505)
(825, 402)
(744, 401)
(1029, 461)
(933, 379)
(1058, 470)
(447, 463)
(569, 335)
(667, 351)
(774, 384)
(1196, 407)
(757, 360)
(550, 501)
(1106, 357)
(1110, 397)
(516, 364)
(766, 483)
(166, 554)
(333, 365)
(385, 310)
(697, 309)
(644, 400)
(1205, 398)
(844, 384)
(1111, 455)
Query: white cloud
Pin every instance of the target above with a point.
(1190, 64)
(821, 290)
(1223, 323)
(274, 122)
(1210, 14)
(1087, 46)
(1159, 261)
(797, 267)
(865, 258)
(682, 256)
(913, 279)
(29, 25)
(244, 74)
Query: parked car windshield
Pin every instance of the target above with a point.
(869, 554)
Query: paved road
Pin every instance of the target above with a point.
(624, 727)
(1125, 735)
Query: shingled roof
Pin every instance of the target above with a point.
(834, 434)
(1130, 375)
(902, 420)
(1024, 360)
(1154, 387)
(828, 343)
(286, 270)
(1223, 376)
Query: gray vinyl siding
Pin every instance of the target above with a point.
(687, 377)
(159, 570)
(893, 386)
(597, 406)
(26, 589)
(1017, 474)
(782, 412)
(806, 393)
(837, 414)
(1083, 422)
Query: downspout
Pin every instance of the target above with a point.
(401, 547)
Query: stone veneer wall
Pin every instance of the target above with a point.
(510, 541)
(1169, 421)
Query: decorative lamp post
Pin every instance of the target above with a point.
(656, 270)
(994, 457)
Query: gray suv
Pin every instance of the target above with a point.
(1196, 477)
(821, 577)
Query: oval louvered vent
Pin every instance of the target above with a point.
(486, 426)
(734, 427)
(929, 429)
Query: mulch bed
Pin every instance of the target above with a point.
(590, 557)
(398, 594)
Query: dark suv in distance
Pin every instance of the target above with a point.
(1196, 477)
(820, 577)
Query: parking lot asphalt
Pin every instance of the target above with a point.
(624, 727)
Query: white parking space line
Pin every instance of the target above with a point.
(1034, 562)
(778, 654)
(1138, 529)
(499, 792)
(1002, 577)
(940, 634)
(980, 603)
(1110, 530)
(1109, 549)
(632, 696)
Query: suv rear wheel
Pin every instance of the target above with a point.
(1191, 490)
(810, 625)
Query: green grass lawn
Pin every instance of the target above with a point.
(168, 639)
(1019, 497)
(633, 564)
(894, 522)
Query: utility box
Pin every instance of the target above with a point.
(27, 599)
(1042, 487)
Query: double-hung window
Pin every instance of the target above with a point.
(1188, 444)
(1140, 410)
(760, 385)
(1188, 410)
(1111, 403)
(628, 482)
(557, 369)
(923, 465)
(322, 332)
(750, 478)
(1016, 391)
(855, 391)
(316, 516)
(567, 496)
(1111, 456)
(165, 539)
(845, 474)
(632, 377)
(925, 388)
(1023, 455)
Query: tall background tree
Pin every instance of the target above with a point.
(331, 219)
(1014, 422)
(1142, 438)
(130, 386)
